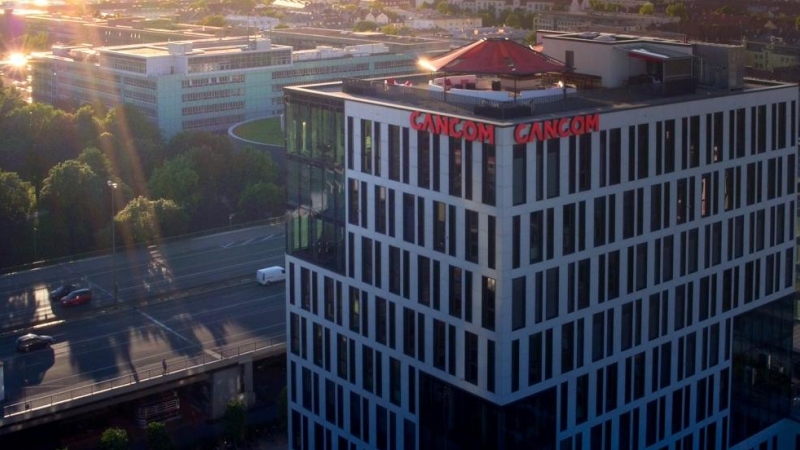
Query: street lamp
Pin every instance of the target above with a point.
(35, 234)
(113, 187)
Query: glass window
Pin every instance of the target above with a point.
(520, 179)
(489, 176)
(488, 303)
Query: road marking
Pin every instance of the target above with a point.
(211, 353)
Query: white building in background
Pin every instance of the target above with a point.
(607, 269)
(260, 23)
(207, 84)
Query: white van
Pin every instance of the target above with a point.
(275, 274)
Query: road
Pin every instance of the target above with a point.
(184, 302)
(141, 274)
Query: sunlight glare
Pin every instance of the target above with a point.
(17, 60)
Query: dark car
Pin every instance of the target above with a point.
(76, 297)
(32, 341)
(61, 291)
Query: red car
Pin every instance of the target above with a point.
(76, 297)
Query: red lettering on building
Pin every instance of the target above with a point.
(556, 128)
(453, 127)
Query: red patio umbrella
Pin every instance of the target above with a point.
(494, 56)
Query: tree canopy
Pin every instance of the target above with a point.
(234, 421)
(214, 20)
(144, 220)
(677, 10)
(365, 25)
(71, 193)
(114, 438)
(16, 199)
(176, 180)
(58, 162)
(158, 437)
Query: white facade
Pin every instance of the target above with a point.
(589, 287)
(203, 84)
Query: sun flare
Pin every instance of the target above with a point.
(17, 60)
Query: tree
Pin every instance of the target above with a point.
(512, 20)
(97, 161)
(214, 20)
(36, 137)
(114, 438)
(234, 421)
(11, 98)
(676, 10)
(176, 180)
(211, 159)
(365, 25)
(209, 154)
(145, 220)
(158, 437)
(530, 39)
(261, 200)
(597, 5)
(391, 30)
(241, 6)
(16, 201)
(250, 166)
(71, 193)
(87, 125)
(647, 9)
(137, 146)
(446, 8)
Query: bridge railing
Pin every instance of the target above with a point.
(173, 366)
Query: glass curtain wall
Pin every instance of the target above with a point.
(315, 194)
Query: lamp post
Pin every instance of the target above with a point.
(113, 187)
(35, 235)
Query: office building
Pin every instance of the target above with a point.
(478, 259)
(206, 84)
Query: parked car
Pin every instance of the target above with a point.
(30, 341)
(76, 297)
(61, 291)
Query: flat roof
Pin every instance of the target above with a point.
(592, 100)
(347, 34)
(145, 51)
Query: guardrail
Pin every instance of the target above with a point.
(174, 366)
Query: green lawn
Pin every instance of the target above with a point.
(266, 131)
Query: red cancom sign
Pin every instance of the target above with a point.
(453, 127)
(556, 128)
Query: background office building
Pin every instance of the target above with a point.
(604, 268)
(206, 84)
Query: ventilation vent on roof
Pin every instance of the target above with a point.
(605, 38)
(589, 35)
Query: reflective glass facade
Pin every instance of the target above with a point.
(315, 181)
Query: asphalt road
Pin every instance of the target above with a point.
(185, 302)
(141, 274)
